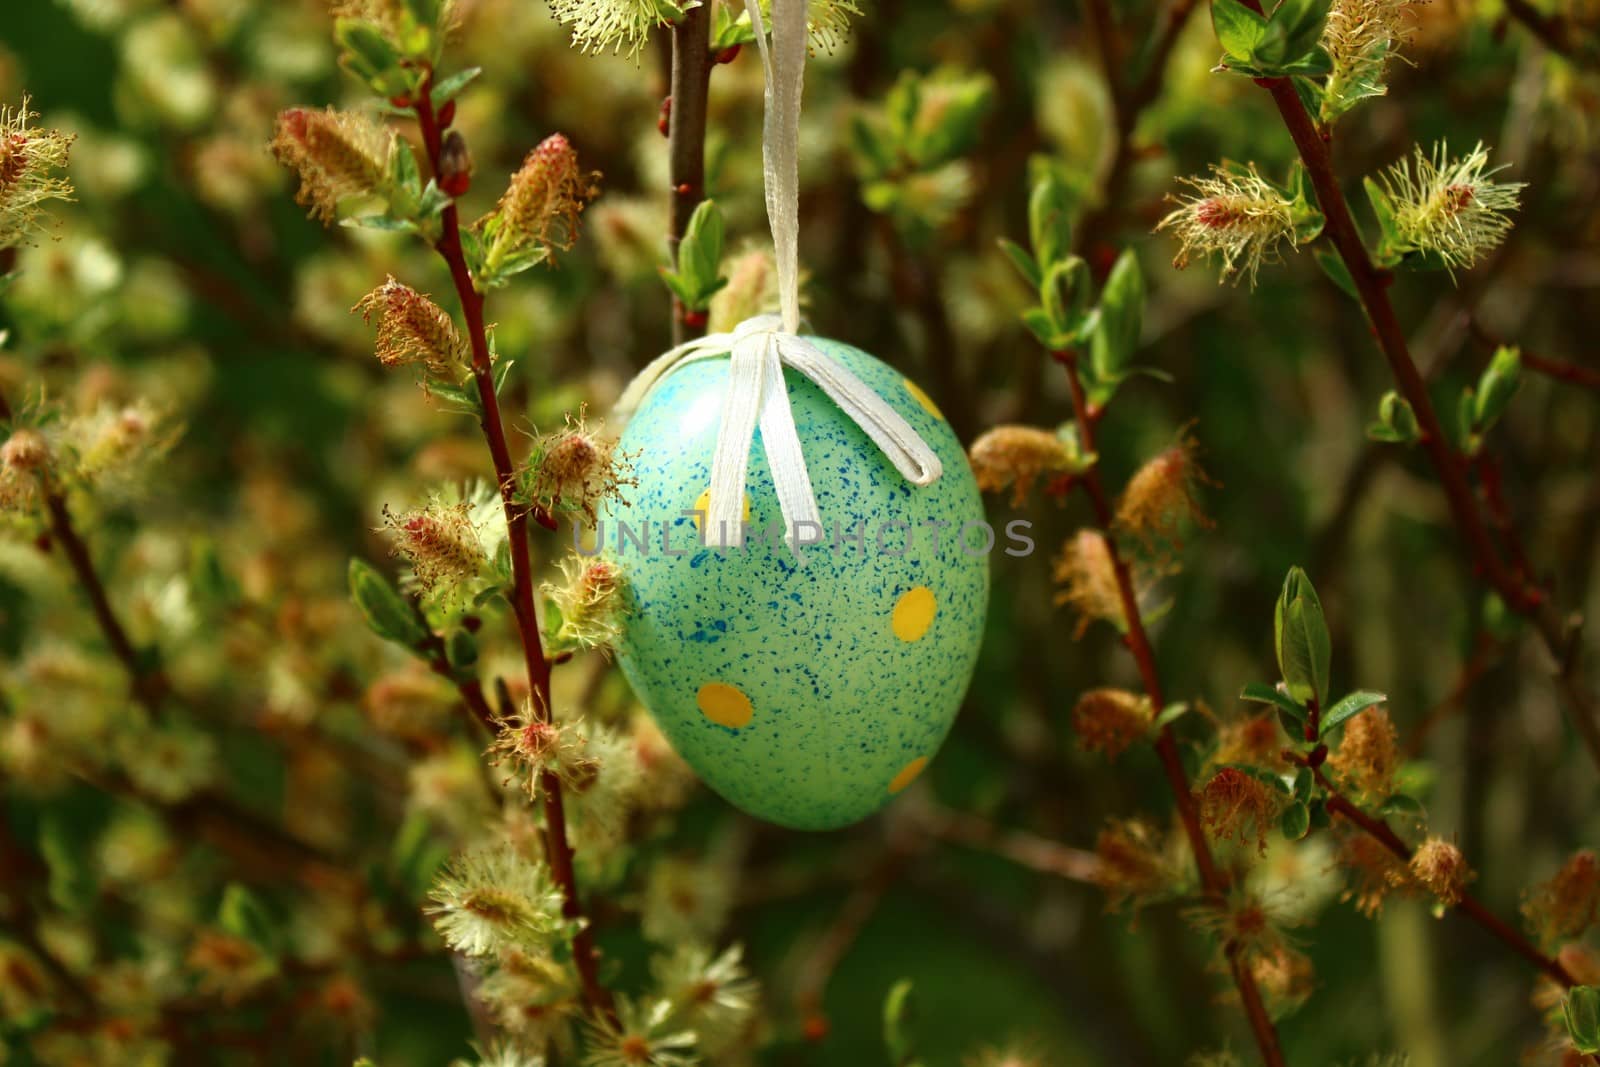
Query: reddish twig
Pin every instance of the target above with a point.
(148, 686)
(1138, 642)
(686, 141)
(1025, 849)
(1561, 371)
(558, 848)
(1571, 373)
(1128, 102)
(1522, 596)
(1466, 904)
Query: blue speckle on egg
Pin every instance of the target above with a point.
(809, 695)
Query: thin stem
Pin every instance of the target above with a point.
(1522, 596)
(1467, 904)
(1561, 371)
(237, 828)
(686, 141)
(1571, 373)
(1129, 102)
(1039, 854)
(558, 849)
(148, 686)
(1138, 642)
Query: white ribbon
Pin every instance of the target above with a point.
(759, 348)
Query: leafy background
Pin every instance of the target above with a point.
(185, 267)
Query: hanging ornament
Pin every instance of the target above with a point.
(803, 616)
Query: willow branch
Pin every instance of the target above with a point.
(1128, 101)
(1560, 370)
(1038, 854)
(686, 141)
(1519, 593)
(1137, 639)
(558, 849)
(1466, 903)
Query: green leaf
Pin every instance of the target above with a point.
(1310, 93)
(699, 258)
(1296, 820)
(243, 915)
(1171, 714)
(1289, 40)
(368, 54)
(1314, 63)
(1320, 819)
(871, 148)
(1043, 328)
(1300, 634)
(1496, 386)
(1023, 262)
(1397, 422)
(1116, 337)
(1049, 221)
(677, 285)
(898, 1016)
(386, 612)
(1349, 706)
(1405, 807)
(1581, 1011)
(379, 222)
(1239, 30)
(1334, 268)
(1389, 247)
(447, 89)
(900, 108)
(1065, 296)
(1262, 693)
(1308, 218)
(951, 105)
(1304, 782)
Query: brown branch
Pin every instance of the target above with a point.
(1521, 595)
(1025, 849)
(1129, 102)
(148, 687)
(1571, 373)
(817, 969)
(1467, 904)
(239, 831)
(558, 849)
(686, 141)
(1138, 642)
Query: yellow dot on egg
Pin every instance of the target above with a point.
(908, 774)
(922, 398)
(702, 508)
(724, 705)
(913, 613)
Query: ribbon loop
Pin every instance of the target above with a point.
(759, 348)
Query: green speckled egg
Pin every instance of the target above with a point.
(807, 696)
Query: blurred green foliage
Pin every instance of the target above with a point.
(185, 273)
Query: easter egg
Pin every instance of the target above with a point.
(806, 695)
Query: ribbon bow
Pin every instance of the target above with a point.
(760, 347)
